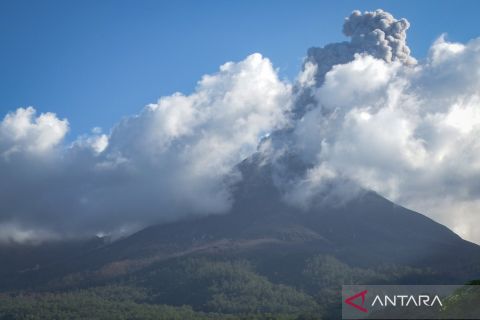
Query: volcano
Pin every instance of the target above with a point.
(365, 231)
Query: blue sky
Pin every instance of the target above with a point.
(94, 62)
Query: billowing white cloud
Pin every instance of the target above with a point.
(21, 131)
(172, 159)
(409, 132)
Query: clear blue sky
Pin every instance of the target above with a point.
(97, 61)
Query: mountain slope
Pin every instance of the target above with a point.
(366, 231)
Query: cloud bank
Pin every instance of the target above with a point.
(408, 132)
(175, 158)
(361, 114)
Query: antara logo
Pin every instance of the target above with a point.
(393, 300)
(350, 300)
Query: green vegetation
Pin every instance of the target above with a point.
(202, 288)
(227, 287)
(88, 304)
(463, 303)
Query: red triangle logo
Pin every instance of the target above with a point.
(350, 300)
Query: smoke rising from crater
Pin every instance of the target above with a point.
(376, 33)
